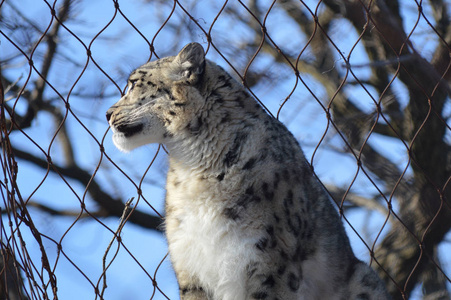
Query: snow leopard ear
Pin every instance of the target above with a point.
(189, 64)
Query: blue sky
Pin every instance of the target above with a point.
(118, 50)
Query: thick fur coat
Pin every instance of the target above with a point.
(245, 217)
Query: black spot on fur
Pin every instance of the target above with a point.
(249, 164)
(172, 113)
(368, 280)
(199, 122)
(262, 244)
(269, 281)
(276, 180)
(305, 234)
(232, 156)
(225, 118)
(363, 296)
(269, 194)
(150, 83)
(142, 72)
(302, 253)
(240, 101)
(186, 290)
(281, 270)
(226, 82)
(294, 224)
(276, 218)
(267, 241)
(214, 96)
(234, 212)
(288, 203)
(253, 116)
(270, 230)
(283, 255)
(250, 196)
(251, 269)
(259, 295)
(249, 190)
(220, 177)
(273, 243)
(293, 282)
(195, 126)
(179, 104)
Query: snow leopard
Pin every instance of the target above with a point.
(245, 217)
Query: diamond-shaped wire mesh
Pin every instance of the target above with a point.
(364, 85)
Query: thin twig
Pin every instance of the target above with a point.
(122, 221)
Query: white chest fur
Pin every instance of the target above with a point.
(206, 245)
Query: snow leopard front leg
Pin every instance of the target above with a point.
(190, 288)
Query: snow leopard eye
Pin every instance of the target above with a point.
(132, 84)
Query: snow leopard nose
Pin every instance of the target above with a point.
(109, 112)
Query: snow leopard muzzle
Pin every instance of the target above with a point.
(130, 129)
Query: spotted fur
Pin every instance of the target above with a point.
(245, 217)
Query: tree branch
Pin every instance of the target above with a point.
(65, 213)
(424, 217)
(111, 206)
(36, 97)
(359, 201)
(399, 253)
(11, 282)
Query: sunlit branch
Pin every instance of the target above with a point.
(113, 207)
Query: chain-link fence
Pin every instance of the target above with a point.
(364, 85)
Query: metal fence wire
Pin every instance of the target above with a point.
(364, 85)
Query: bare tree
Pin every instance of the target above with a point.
(414, 199)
